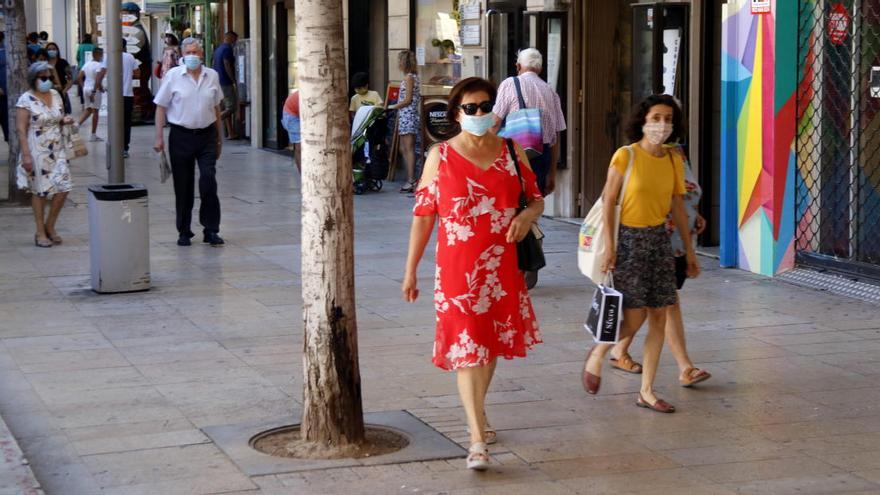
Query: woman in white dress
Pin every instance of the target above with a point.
(42, 165)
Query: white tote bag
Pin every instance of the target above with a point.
(592, 244)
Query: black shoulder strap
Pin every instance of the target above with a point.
(522, 188)
(522, 101)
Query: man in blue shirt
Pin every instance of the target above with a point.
(224, 64)
(4, 110)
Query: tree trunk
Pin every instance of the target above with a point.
(332, 412)
(94, 12)
(16, 82)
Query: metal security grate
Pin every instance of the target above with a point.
(837, 194)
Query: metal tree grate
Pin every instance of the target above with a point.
(837, 194)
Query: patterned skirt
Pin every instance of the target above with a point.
(645, 268)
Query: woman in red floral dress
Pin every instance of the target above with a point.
(483, 308)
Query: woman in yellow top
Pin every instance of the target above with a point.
(643, 263)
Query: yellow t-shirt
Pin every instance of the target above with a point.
(652, 183)
(357, 101)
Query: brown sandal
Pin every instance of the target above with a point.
(590, 381)
(693, 376)
(659, 406)
(627, 364)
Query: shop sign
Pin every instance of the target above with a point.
(760, 6)
(470, 34)
(469, 10)
(437, 126)
(838, 24)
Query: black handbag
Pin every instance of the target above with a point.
(530, 254)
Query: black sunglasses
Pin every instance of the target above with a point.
(44, 78)
(471, 108)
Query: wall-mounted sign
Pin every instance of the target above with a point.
(469, 9)
(470, 34)
(760, 6)
(838, 24)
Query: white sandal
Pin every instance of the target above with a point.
(489, 433)
(478, 457)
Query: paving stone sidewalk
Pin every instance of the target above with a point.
(108, 394)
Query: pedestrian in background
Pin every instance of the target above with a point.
(363, 95)
(688, 374)
(85, 46)
(91, 79)
(291, 123)
(641, 257)
(130, 72)
(536, 94)
(42, 165)
(62, 70)
(473, 184)
(33, 44)
(224, 65)
(189, 98)
(408, 116)
(170, 55)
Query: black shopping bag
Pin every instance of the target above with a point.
(606, 313)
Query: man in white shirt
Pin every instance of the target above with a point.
(130, 72)
(91, 79)
(189, 98)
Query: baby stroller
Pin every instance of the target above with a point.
(369, 151)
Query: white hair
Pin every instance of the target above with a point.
(191, 41)
(530, 58)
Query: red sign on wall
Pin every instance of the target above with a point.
(838, 24)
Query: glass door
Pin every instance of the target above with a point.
(660, 51)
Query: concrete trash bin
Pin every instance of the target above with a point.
(119, 237)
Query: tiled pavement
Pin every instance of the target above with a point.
(107, 394)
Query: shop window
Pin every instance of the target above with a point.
(438, 44)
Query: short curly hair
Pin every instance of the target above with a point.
(633, 127)
(464, 87)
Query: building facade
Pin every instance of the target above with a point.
(781, 114)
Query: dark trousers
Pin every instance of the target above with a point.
(4, 117)
(127, 115)
(186, 147)
(541, 166)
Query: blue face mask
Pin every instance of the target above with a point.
(52, 53)
(44, 86)
(477, 125)
(192, 62)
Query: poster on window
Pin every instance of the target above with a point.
(554, 52)
(672, 43)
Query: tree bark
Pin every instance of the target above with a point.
(16, 82)
(94, 12)
(332, 410)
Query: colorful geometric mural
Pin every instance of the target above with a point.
(758, 84)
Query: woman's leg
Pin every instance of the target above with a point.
(408, 152)
(38, 206)
(85, 116)
(472, 386)
(675, 336)
(653, 347)
(297, 155)
(54, 210)
(632, 321)
(95, 116)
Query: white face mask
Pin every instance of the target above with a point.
(657, 132)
